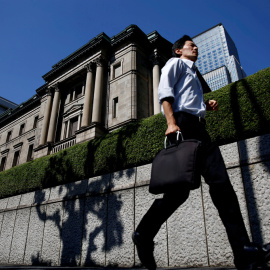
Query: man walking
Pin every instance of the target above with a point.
(181, 91)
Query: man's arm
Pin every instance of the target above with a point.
(168, 111)
(169, 77)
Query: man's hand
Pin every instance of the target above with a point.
(168, 111)
(211, 105)
(172, 129)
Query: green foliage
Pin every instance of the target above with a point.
(134, 144)
(244, 111)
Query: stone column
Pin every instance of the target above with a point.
(88, 97)
(97, 104)
(44, 132)
(54, 115)
(63, 131)
(79, 121)
(156, 77)
(68, 127)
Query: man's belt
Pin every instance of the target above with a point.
(192, 117)
(201, 120)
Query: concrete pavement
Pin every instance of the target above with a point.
(24, 267)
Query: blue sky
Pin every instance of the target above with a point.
(36, 34)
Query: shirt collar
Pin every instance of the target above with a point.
(188, 62)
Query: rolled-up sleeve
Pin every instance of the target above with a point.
(170, 75)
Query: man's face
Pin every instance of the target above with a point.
(189, 51)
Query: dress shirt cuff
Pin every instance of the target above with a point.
(166, 93)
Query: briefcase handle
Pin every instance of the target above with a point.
(177, 138)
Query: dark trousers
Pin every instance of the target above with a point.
(221, 191)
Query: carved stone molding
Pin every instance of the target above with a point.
(75, 108)
(56, 87)
(18, 145)
(49, 91)
(31, 139)
(156, 59)
(5, 152)
(90, 67)
(100, 62)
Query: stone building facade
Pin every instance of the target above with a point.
(103, 85)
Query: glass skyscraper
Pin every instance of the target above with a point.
(218, 59)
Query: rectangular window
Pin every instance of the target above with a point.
(35, 122)
(117, 70)
(115, 107)
(16, 158)
(3, 164)
(72, 94)
(21, 129)
(78, 91)
(30, 154)
(68, 96)
(73, 126)
(9, 136)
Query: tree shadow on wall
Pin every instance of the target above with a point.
(255, 222)
(83, 228)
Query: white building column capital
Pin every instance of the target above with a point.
(90, 67)
(155, 58)
(56, 87)
(49, 91)
(100, 62)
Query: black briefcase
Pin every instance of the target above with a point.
(176, 166)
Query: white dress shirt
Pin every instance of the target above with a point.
(179, 81)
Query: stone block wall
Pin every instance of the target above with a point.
(90, 222)
(123, 87)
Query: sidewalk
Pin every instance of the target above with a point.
(23, 267)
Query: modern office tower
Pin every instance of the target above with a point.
(218, 59)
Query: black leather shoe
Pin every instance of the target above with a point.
(264, 254)
(145, 249)
(253, 256)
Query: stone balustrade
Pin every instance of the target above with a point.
(63, 144)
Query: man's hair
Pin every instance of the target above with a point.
(179, 44)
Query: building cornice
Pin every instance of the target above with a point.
(131, 33)
(158, 42)
(11, 113)
(42, 89)
(102, 40)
